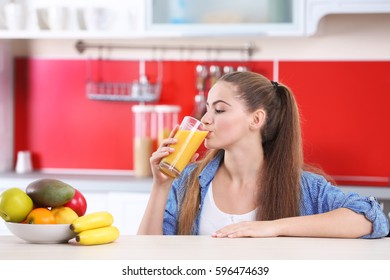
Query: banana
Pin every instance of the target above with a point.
(92, 221)
(98, 236)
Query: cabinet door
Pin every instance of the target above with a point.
(97, 201)
(226, 17)
(4, 230)
(317, 9)
(70, 19)
(127, 209)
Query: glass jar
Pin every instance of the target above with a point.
(167, 117)
(144, 139)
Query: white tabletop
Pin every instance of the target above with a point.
(201, 247)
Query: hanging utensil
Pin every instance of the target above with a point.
(215, 74)
(242, 68)
(228, 69)
(143, 79)
(200, 99)
(138, 86)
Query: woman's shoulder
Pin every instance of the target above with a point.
(310, 176)
(315, 176)
(315, 182)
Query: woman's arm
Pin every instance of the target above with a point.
(341, 223)
(152, 221)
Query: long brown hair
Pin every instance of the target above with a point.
(281, 140)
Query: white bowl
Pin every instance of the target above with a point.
(42, 233)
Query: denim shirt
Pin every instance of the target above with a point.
(317, 196)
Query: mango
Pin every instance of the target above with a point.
(50, 192)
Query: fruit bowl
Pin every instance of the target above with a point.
(42, 233)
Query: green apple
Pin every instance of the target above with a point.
(15, 205)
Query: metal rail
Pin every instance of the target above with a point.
(248, 48)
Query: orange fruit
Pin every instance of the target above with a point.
(40, 216)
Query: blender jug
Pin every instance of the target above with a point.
(167, 118)
(144, 139)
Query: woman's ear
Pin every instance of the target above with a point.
(258, 119)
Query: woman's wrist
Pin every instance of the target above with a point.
(280, 227)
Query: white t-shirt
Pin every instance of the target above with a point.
(213, 219)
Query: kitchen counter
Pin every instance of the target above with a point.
(85, 182)
(133, 247)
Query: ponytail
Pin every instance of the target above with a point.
(282, 147)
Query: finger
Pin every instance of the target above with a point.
(173, 132)
(237, 234)
(168, 141)
(216, 235)
(233, 230)
(161, 153)
(231, 234)
(220, 234)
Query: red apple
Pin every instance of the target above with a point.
(78, 203)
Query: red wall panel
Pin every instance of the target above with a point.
(345, 116)
(344, 111)
(63, 129)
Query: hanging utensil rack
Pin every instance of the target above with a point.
(139, 90)
(249, 49)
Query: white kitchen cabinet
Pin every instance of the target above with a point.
(125, 196)
(52, 19)
(118, 19)
(317, 9)
(250, 17)
(4, 230)
(225, 17)
(127, 209)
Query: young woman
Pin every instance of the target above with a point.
(252, 182)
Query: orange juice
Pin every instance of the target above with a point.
(186, 146)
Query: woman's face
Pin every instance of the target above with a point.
(226, 118)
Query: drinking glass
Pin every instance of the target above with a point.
(189, 138)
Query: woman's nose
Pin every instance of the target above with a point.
(205, 119)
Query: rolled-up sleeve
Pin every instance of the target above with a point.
(319, 196)
(378, 218)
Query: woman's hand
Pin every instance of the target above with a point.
(248, 229)
(163, 151)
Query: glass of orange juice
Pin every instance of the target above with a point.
(189, 137)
